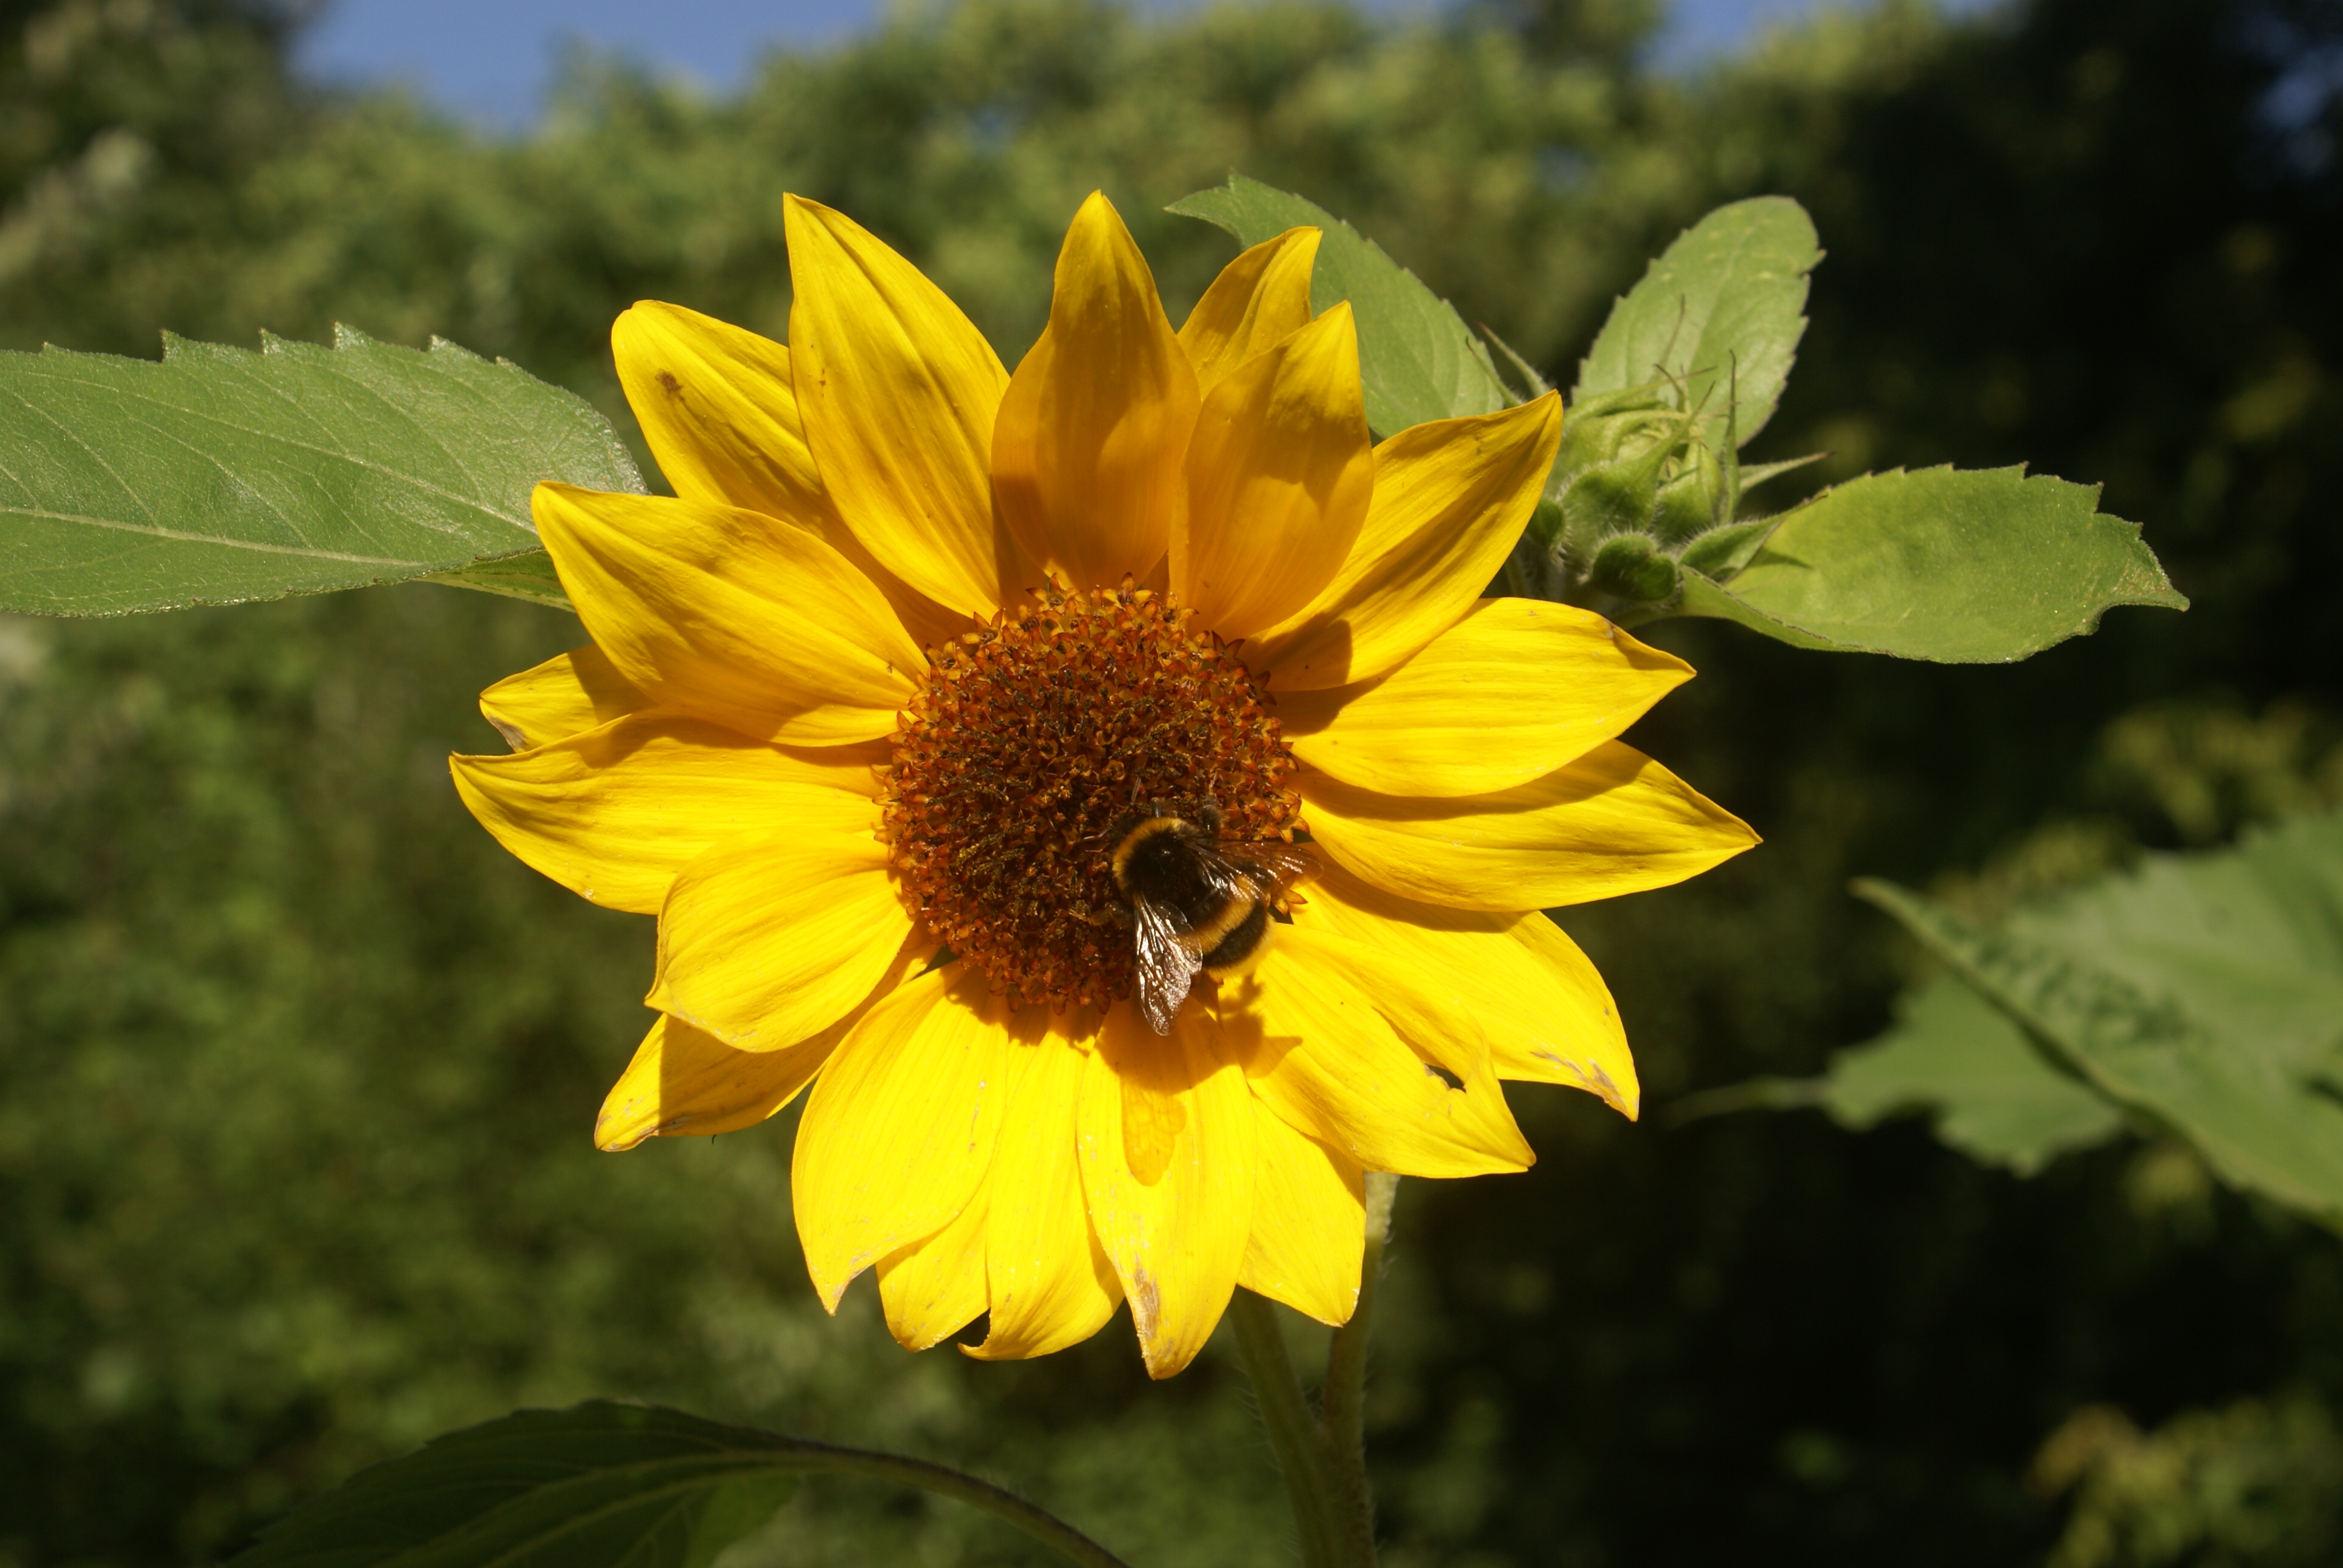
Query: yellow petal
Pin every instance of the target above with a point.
(1259, 299)
(1052, 1286)
(731, 615)
(614, 814)
(1582, 1044)
(720, 409)
(898, 1133)
(1087, 455)
(1318, 1052)
(1166, 1135)
(566, 695)
(897, 390)
(934, 1288)
(683, 1080)
(1611, 822)
(1546, 1013)
(1451, 498)
(1435, 1010)
(1280, 473)
(763, 942)
(1308, 1223)
(686, 1080)
(1510, 693)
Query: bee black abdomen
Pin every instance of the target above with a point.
(1242, 942)
(1199, 903)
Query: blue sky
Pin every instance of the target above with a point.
(491, 59)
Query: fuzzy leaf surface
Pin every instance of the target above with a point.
(1979, 567)
(223, 474)
(1720, 312)
(1418, 359)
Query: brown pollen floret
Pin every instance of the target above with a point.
(1038, 733)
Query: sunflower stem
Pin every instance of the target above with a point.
(1293, 1437)
(1343, 1420)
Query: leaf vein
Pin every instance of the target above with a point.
(180, 536)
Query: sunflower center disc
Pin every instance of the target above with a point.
(1036, 736)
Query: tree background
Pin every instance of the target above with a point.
(298, 1069)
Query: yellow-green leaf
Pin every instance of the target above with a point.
(1962, 568)
(1990, 1092)
(221, 475)
(1718, 315)
(2202, 993)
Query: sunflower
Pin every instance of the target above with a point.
(871, 698)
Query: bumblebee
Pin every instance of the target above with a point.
(1198, 901)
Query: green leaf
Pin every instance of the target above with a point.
(1728, 297)
(1533, 384)
(2204, 993)
(598, 1486)
(222, 474)
(1417, 358)
(2249, 939)
(530, 577)
(1631, 567)
(1722, 551)
(1961, 567)
(1756, 474)
(1702, 597)
(1990, 1092)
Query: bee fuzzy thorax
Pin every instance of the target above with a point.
(1145, 847)
(1200, 902)
(1171, 863)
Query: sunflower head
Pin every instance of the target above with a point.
(875, 700)
(1034, 738)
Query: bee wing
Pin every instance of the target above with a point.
(1166, 967)
(1272, 866)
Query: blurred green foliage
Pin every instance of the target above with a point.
(2255, 1482)
(297, 1070)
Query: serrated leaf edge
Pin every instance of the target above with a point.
(2162, 595)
